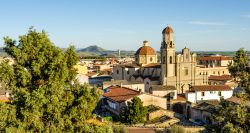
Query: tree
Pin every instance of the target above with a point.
(232, 117)
(134, 112)
(238, 69)
(46, 95)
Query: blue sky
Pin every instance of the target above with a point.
(116, 24)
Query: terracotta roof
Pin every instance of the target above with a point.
(181, 97)
(220, 78)
(211, 88)
(168, 29)
(162, 88)
(215, 58)
(120, 94)
(154, 65)
(238, 101)
(129, 65)
(145, 50)
(4, 99)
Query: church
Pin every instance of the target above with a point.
(173, 70)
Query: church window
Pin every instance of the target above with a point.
(187, 56)
(186, 71)
(171, 45)
(170, 59)
(151, 59)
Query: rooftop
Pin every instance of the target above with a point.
(220, 78)
(215, 58)
(145, 50)
(120, 94)
(238, 100)
(162, 88)
(211, 88)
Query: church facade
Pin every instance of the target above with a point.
(176, 70)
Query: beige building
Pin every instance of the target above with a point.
(145, 54)
(178, 70)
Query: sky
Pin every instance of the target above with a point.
(201, 25)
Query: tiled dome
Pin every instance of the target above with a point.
(145, 50)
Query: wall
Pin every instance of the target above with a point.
(153, 100)
(196, 96)
(163, 93)
(212, 71)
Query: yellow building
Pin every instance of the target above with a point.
(81, 69)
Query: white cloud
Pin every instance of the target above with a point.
(245, 16)
(208, 23)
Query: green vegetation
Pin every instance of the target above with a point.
(229, 117)
(46, 96)
(134, 112)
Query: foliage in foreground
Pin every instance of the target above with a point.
(46, 96)
(135, 112)
(235, 117)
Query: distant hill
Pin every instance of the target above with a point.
(95, 50)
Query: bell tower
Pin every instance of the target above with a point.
(168, 60)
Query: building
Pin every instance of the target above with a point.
(145, 54)
(178, 70)
(208, 92)
(138, 86)
(116, 97)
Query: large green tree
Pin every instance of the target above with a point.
(46, 95)
(238, 69)
(235, 117)
(134, 112)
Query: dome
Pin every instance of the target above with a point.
(168, 29)
(145, 50)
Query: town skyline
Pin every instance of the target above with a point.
(200, 26)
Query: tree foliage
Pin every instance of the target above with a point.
(46, 96)
(239, 70)
(134, 112)
(234, 117)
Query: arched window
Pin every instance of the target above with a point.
(170, 60)
(151, 59)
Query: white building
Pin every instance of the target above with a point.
(208, 92)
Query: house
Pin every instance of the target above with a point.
(208, 92)
(138, 86)
(203, 111)
(116, 97)
(163, 91)
(237, 100)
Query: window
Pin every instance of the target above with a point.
(186, 71)
(170, 60)
(203, 93)
(151, 59)
(163, 60)
(212, 92)
(219, 93)
(223, 72)
(128, 72)
(200, 73)
(117, 71)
